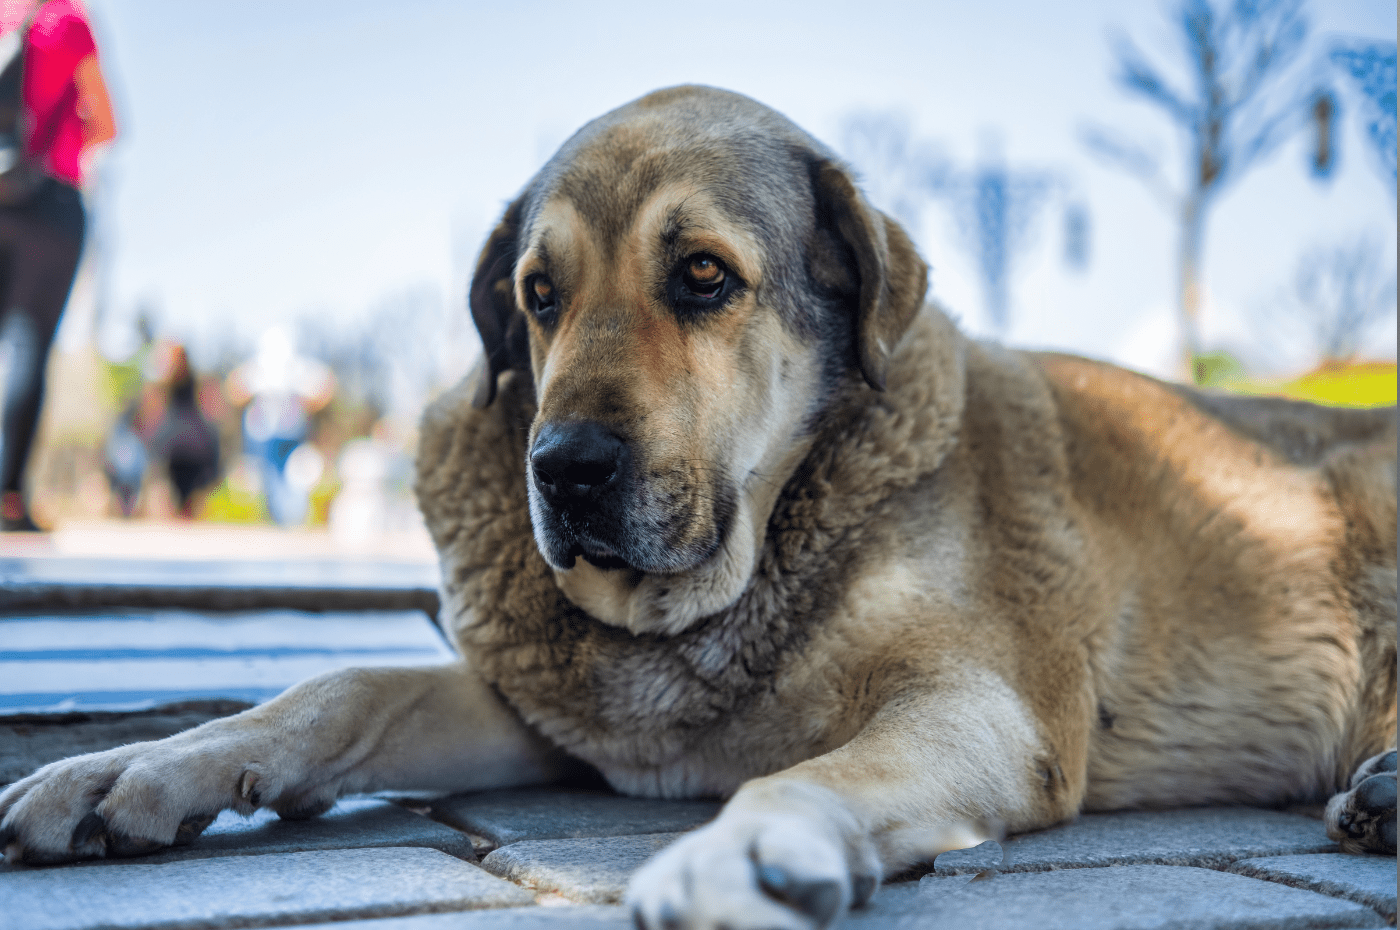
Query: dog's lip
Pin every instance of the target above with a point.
(599, 555)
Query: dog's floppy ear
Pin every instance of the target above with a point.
(504, 337)
(893, 278)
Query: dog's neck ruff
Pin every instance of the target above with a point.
(546, 653)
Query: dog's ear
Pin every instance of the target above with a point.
(893, 278)
(504, 338)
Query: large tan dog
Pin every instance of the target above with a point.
(735, 513)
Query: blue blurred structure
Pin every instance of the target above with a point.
(1371, 66)
(994, 207)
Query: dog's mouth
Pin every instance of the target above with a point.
(598, 555)
(565, 541)
(574, 538)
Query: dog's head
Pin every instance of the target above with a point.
(689, 280)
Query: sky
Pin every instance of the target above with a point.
(280, 160)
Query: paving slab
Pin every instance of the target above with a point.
(354, 823)
(1369, 880)
(592, 870)
(575, 917)
(516, 815)
(1210, 837)
(39, 583)
(1130, 897)
(250, 891)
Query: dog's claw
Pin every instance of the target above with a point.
(191, 827)
(121, 844)
(90, 828)
(862, 889)
(819, 900)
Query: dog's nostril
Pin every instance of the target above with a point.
(588, 474)
(576, 458)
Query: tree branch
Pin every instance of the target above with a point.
(1137, 75)
(1131, 157)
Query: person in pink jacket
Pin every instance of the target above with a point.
(65, 111)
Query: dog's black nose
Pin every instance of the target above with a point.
(577, 460)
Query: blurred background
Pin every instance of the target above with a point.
(281, 236)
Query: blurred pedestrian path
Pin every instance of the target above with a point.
(137, 660)
(204, 541)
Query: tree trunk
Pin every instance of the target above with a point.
(1189, 284)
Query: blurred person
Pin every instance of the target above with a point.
(183, 437)
(281, 389)
(64, 112)
(124, 459)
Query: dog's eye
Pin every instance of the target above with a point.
(541, 296)
(701, 284)
(704, 276)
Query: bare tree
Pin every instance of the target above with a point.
(1343, 291)
(898, 172)
(390, 360)
(1229, 115)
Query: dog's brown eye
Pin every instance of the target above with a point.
(701, 284)
(539, 293)
(704, 275)
(705, 272)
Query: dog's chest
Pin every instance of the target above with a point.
(693, 713)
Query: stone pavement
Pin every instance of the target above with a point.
(560, 858)
(548, 858)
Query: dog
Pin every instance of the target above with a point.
(728, 509)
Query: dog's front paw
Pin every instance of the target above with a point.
(1362, 820)
(122, 802)
(754, 871)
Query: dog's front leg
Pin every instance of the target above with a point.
(795, 849)
(434, 728)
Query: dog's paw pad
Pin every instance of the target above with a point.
(1362, 820)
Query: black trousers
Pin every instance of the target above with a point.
(40, 244)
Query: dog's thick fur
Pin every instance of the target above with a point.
(890, 589)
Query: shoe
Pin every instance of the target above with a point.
(14, 516)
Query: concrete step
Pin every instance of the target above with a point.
(32, 584)
(134, 660)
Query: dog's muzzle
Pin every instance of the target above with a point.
(579, 470)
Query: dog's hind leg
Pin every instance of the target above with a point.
(930, 772)
(433, 728)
